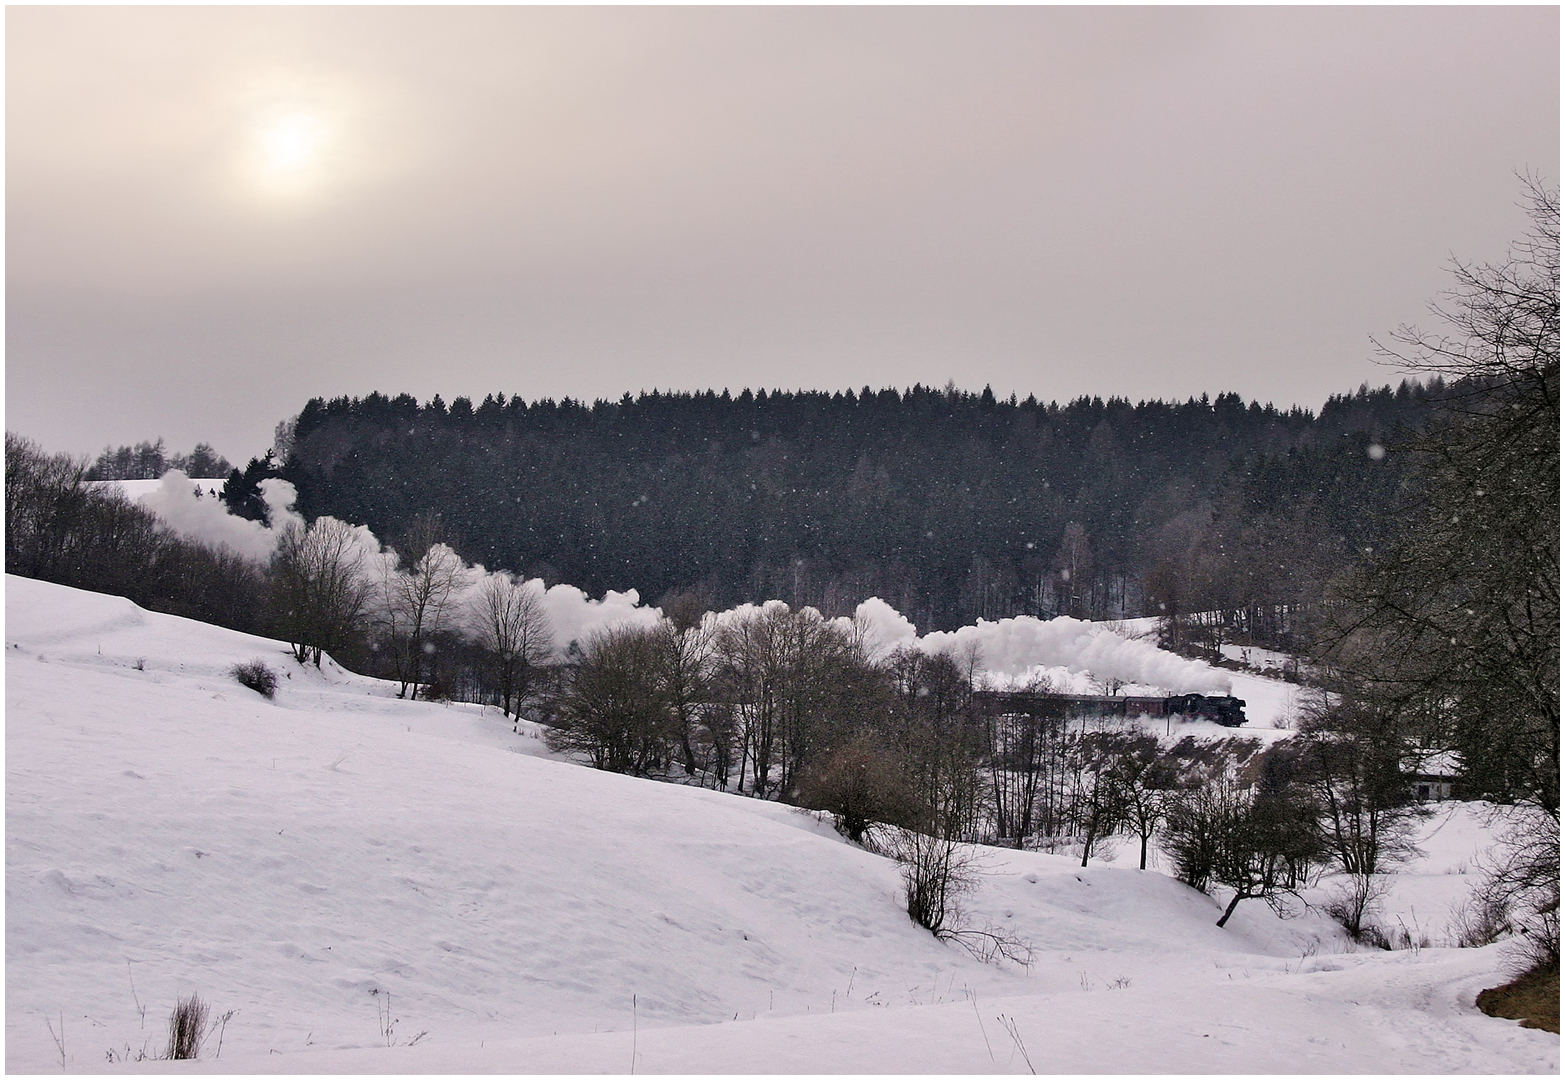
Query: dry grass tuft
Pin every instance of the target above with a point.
(1534, 999)
(186, 1026)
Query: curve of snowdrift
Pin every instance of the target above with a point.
(306, 860)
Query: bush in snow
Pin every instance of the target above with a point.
(257, 676)
(1349, 905)
(935, 872)
(1479, 920)
(859, 784)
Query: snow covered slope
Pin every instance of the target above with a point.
(302, 860)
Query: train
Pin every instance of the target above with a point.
(1221, 709)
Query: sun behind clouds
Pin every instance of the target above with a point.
(292, 132)
(292, 144)
(289, 151)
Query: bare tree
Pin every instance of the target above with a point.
(749, 665)
(416, 603)
(940, 738)
(514, 629)
(1024, 758)
(1260, 842)
(1097, 803)
(793, 681)
(1458, 617)
(1355, 755)
(319, 586)
(1145, 779)
(685, 679)
(1074, 563)
(613, 709)
(1462, 609)
(933, 724)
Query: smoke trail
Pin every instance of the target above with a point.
(206, 519)
(1011, 647)
(1010, 651)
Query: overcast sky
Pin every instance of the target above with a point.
(214, 214)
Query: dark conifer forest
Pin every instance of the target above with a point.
(951, 506)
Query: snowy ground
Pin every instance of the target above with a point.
(299, 861)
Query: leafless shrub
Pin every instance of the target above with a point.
(1349, 905)
(257, 676)
(1478, 920)
(860, 784)
(935, 872)
(1537, 947)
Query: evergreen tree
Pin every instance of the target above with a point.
(242, 491)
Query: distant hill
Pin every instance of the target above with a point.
(952, 506)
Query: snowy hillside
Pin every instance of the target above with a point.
(299, 861)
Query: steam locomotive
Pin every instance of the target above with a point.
(1220, 709)
(1225, 710)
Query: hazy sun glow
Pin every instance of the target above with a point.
(289, 149)
(289, 127)
(292, 143)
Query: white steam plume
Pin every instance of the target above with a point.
(1014, 646)
(207, 520)
(1010, 649)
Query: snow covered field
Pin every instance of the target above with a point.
(302, 860)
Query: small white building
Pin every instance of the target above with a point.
(1436, 777)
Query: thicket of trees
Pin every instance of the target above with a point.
(1446, 635)
(62, 528)
(150, 460)
(327, 588)
(780, 703)
(951, 506)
